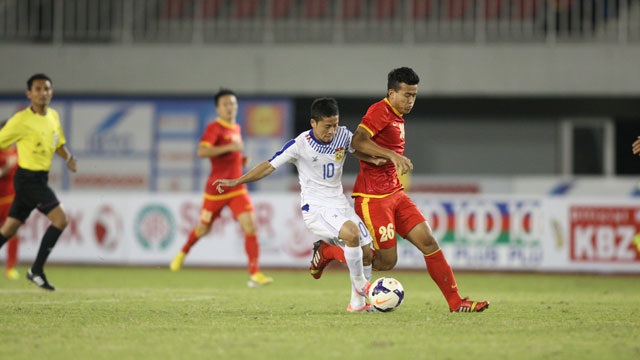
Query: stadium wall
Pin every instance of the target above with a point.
(558, 69)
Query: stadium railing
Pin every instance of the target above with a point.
(319, 21)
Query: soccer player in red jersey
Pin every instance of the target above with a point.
(380, 200)
(8, 166)
(222, 144)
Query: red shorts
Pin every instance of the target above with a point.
(238, 201)
(388, 215)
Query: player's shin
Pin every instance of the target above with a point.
(442, 275)
(353, 256)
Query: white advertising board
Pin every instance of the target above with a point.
(476, 233)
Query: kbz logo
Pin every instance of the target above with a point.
(604, 233)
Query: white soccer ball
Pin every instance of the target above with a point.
(386, 294)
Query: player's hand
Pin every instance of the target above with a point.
(402, 163)
(72, 164)
(377, 161)
(636, 146)
(236, 143)
(220, 184)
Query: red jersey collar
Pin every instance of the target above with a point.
(225, 123)
(392, 108)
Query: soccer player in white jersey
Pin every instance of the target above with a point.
(319, 155)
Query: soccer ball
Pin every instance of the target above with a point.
(386, 294)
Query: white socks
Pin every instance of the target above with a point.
(367, 271)
(353, 255)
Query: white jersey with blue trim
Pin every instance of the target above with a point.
(319, 166)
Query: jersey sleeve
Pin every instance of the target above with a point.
(61, 138)
(11, 132)
(349, 135)
(375, 119)
(288, 153)
(210, 135)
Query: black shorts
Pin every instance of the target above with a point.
(32, 191)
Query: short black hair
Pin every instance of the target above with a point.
(324, 107)
(35, 77)
(401, 75)
(222, 92)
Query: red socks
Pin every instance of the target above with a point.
(190, 241)
(251, 247)
(442, 274)
(334, 252)
(12, 252)
(253, 251)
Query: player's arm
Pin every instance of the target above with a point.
(362, 142)
(10, 132)
(206, 150)
(377, 161)
(262, 170)
(10, 163)
(65, 154)
(636, 146)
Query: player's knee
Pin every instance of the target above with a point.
(202, 230)
(350, 234)
(60, 222)
(249, 228)
(384, 264)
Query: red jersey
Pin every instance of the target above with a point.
(6, 181)
(386, 127)
(227, 165)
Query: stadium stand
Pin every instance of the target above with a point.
(319, 21)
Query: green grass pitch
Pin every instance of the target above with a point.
(152, 313)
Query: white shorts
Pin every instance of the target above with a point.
(326, 223)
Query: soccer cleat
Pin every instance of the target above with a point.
(318, 262)
(176, 263)
(259, 279)
(40, 280)
(12, 274)
(471, 306)
(365, 308)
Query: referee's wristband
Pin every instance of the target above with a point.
(71, 158)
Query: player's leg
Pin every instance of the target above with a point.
(242, 209)
(59, 222)
(323, 254)
(414, 227)
(337, 225)
(378, 217)
(209, 211)
(198, 232)
(12, 246)
(350, 234)
(12, 259)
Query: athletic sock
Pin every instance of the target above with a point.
(191, 240)
(367, 272)
(442, 275)
(353, 256)
(49, 240)
(357, 301)
(334, 252)
(252, 249)
(12, 253)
